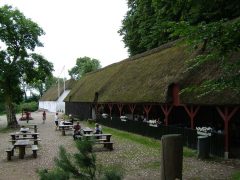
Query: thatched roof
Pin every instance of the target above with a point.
(52, 93)
(146, 78)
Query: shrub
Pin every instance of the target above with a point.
(29, 106)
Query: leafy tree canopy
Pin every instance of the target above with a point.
(19, 37)
(150, 23)
(83, 66)
(212, 26)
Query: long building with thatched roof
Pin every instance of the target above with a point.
(52, 99)
(152, 85)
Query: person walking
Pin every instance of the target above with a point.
(44, 116)
(56, 120)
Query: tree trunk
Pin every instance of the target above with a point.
(11, 115)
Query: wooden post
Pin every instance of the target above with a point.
(110, 106)
(226, 116)
(166, 110)
(191, 113)
(120, 107)
(132, 108)
(147, 109)
(171, 157)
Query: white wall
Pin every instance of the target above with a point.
(48, 105)
(54, 106)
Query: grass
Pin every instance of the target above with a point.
(189, 152)
(5, 129)
(236, 176)
(146, 141)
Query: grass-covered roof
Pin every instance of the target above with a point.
(146, 78)
(52, 93)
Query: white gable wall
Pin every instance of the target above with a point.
(54, 106)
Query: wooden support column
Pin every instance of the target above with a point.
(120, 107)
(132, 108)
(166, 110)
(191, 113)
(96, 108)
(147, 109)
(226, 116)
(110, 106)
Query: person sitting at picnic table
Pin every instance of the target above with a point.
(98, 129)
(77, 130)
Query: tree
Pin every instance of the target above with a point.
(83, 66)
(41, 86)
(150, 23)
(81, 165)
(217, 41)
(19, 36)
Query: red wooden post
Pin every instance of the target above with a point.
(110, 106)
(166, 110)
(176, 100)
(147, 109)
(192, 113)
(132, 108)
(226, 116)
(120, 107)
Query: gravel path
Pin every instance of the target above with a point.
(137, 161)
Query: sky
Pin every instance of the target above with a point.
(76, 28)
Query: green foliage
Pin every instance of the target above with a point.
(18, 65)
(217, 41)
(189, 152)
(150, 23)
(57, 174)
(236, 176)
(81, 165)
(83, 66)
(30, 106)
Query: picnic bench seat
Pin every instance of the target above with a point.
(108, 145)
(10, 152)
(64, 130)
(34, 150)
(35, 141)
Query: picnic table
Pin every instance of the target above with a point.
(31, 126)
(104, 139)
(21, 144)
(87, 130)
(24, 136)
(64, 127)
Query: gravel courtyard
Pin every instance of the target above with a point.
(138, 161)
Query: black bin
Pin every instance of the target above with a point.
(203, 147)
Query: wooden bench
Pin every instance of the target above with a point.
(34, 150)
(108, 145)
(35, 141)
(10, 152)
(64, 131)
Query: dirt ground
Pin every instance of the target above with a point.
(138, 161)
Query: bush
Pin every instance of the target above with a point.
(2, 108)
(29, 106)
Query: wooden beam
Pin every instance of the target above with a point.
(147, 109)
(191, 113)
(226, 116)
(110, 106)
(132, 108)
(166, 110)
(120, 107)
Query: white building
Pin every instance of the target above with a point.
(52, 99)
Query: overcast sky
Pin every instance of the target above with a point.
(77, 28)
